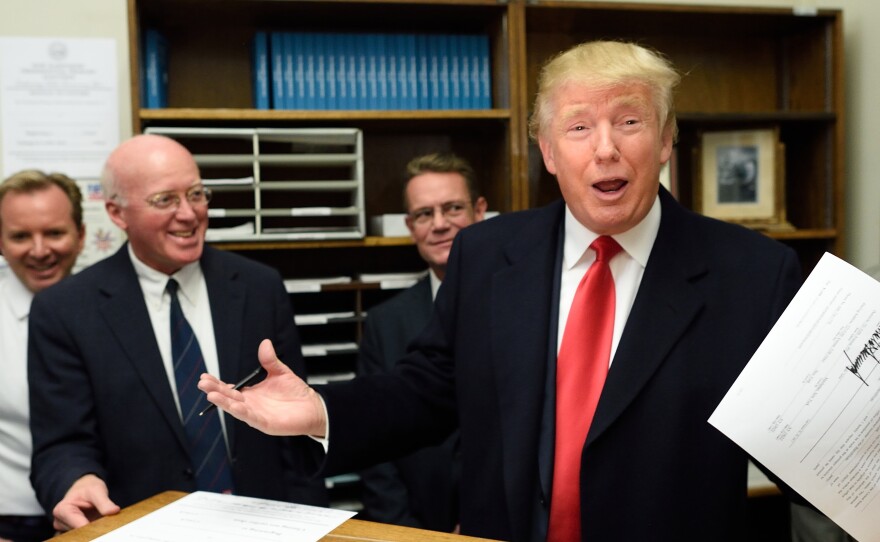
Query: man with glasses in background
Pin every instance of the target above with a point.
(421, 489)
(114, 354)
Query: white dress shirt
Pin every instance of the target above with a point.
(16, 494)
(193, 296)
(627, 267)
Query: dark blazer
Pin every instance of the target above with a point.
(421, 489)
(101, 401)
(652, 467)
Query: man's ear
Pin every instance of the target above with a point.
(547, 154)
(82, 238)
(666, 141)
(480, 207)
(114, 211)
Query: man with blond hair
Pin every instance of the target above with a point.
(576, 423)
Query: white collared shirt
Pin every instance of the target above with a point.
(627, 266)
(193, 296)
(435, 283)
(16, 494)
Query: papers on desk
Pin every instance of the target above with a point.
(227, 518)
(807, 405)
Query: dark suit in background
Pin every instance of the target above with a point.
(101, 401)
(652, 468)
(421, 489)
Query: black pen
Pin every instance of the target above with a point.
(246, 381)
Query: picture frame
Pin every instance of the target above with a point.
(740, 177)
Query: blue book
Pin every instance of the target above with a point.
(443, 68)
(276, 48)
(412, 71)
(352, 51)
(311, 96)
(260, 70)
(455, 101)
(402, 83)
(393, 100)
(363, 90)
(476, 100)
(155, 70)
(290, 46)
(318, 50)
(381, 72)
(423, 56)
(298, 95)
(464, 71)
(372, 71)
(340, 46)
(485, 94)
(434, 52)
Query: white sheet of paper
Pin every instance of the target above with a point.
(59, 104)
(807, 405)
(212, 517)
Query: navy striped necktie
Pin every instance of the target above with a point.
(206, 445)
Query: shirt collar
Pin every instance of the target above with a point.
(637, 241)
(153, 282)
(17, 295)
(435, 283)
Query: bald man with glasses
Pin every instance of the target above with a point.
(112, 409)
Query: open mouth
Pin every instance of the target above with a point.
(44, 269)
(611, 185)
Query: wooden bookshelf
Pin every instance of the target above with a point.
(744, 68)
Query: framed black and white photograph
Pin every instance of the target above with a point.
(741, 177)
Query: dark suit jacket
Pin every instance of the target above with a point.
(652, 468)
(421, 489)
(101, 401)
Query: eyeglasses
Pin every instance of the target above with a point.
(450, 211)
(197, 196)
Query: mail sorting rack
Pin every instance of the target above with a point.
(279, 184)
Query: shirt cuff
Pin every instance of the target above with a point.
(325, 440)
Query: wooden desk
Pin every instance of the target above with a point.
(353, 530)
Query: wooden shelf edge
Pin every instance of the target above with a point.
(803, 235)
(757, 116)
(222, 114)
(370, 241)
(373, 241)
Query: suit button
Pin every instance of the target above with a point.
(189, 474)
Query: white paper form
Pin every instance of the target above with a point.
(59, 104)
(212, 517)
(807, 405)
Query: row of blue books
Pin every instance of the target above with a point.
(311, 70)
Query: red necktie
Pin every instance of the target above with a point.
(581, 368)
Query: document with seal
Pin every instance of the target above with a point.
(221, 518)
(807, 405)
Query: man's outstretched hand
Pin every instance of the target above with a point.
(282, 404)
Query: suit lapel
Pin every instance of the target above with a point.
(226, 295)
(520, 299)
(665, 305)
(125, 313)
